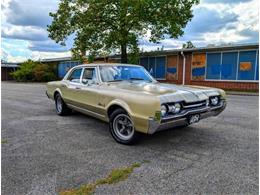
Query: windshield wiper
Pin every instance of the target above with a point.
(115, 80)
(136, 79)
(139, 79)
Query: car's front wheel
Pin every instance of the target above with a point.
(61, 107)
(122, 127)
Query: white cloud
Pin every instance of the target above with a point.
(248, 15)
(37, 55)
(222, 37)
(47, 46)
(16, 59)
(24, 33)
(9, 58)
(243, 30)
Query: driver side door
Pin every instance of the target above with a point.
(88, 97)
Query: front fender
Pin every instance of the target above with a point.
(59, 91)
(140, 120)
(120, 103)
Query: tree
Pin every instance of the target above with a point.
(102, 25)
(188, 45)
(133, 54)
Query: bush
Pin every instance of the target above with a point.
(43, 73)
(25, 72)
(35, 71)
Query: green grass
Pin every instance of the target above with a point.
(113, 177)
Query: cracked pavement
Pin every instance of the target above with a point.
(45, 153)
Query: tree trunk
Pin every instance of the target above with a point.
(123, 54)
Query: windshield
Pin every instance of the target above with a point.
(123, 73)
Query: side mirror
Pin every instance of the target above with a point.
(85, 81)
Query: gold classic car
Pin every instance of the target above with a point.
(131, 100)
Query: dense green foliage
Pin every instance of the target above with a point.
(25, 72)
(35, 71)
(44, 73)
(101, 25)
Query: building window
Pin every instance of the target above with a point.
(198, 66)
(144, 62)
(241, 65)
(257, 66)
(213, 65)
(247, 63)
(160, 68)
(154, 65)
(64, 67)
(229, 66)
(172, 67)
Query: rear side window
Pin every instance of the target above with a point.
(75, 75)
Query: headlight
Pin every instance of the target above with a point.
(172, 108)
(163, 110)
(177, 108)
(214, 100)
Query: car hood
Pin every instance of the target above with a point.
(168, 92)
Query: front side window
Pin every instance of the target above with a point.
(124, 73)
(75, 75)
(89, 76)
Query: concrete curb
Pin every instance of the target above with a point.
(242, 93)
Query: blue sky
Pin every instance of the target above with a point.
(24, 35)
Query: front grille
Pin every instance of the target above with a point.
(192, 105)
(189, 106)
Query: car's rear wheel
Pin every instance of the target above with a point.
(122, 127)
(61, 107)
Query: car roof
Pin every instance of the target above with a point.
(104, 64)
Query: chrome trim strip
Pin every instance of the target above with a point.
(194, 105)
(86, 111)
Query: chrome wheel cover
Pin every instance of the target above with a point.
(123, 127)
(59, 104)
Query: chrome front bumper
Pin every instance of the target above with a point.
(182, 119)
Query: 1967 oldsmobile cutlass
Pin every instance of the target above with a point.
(131, 100)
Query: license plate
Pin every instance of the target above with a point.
(194, 118)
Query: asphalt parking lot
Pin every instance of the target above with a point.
(43, 153)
